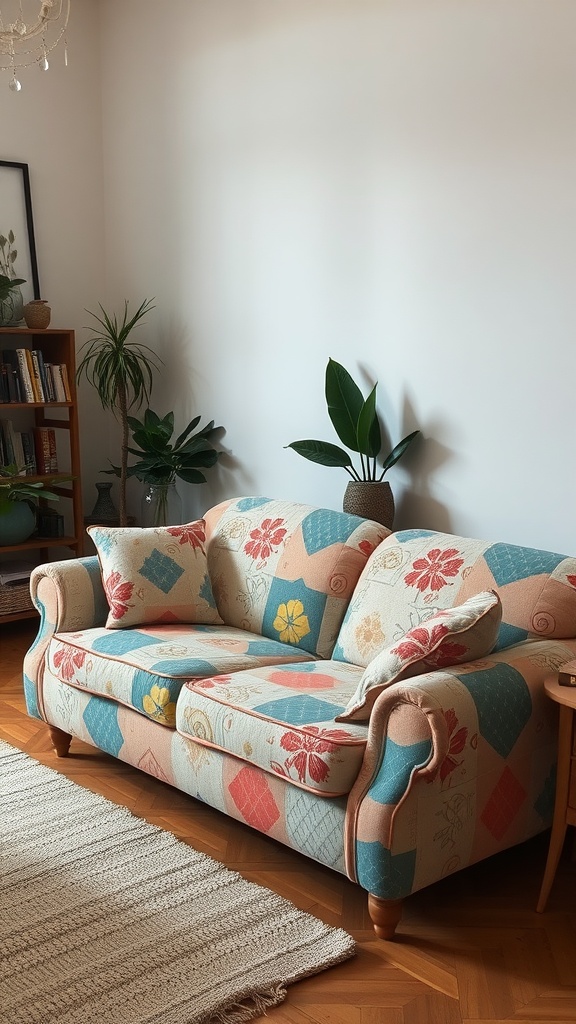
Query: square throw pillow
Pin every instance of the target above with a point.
(155, 575)
(450, 637)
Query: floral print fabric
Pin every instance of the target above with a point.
(155, 575)
(281, 719)
(414, 574)
(451, 637)
(146, 668)
(287, 570)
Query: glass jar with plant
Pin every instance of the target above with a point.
(17, 504)
(160, 462)
(121, 372)
(356, 423)
(11, 302)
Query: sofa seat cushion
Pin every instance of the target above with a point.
(282, 720)
(146, 668)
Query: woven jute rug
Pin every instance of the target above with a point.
(106, 919)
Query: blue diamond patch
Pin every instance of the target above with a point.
(160, 570)
(300, 710)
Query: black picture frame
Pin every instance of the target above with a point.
(16, 216)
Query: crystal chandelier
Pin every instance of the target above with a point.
(29, 32)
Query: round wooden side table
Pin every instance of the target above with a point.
(565, 805)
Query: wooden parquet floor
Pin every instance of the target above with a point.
(469, 949)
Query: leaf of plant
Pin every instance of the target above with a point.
(322, 452)
(344, 400)
(369, 436)
(182, 437)
(399, 450)
(192, 476)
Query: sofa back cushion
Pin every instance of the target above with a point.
(415, 573)
(287, 570)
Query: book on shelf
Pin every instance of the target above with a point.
(29, 452)
(65, 381)
(60, 391)
(25, 378)
(15, 570)
(9, 360)
(45, 450)
(11, 447)
(39, 359)
(36, 378)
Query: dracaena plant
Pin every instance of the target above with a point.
(356, 423)
(159, 460)
(121, 372)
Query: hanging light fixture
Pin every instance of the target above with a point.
(29, 32)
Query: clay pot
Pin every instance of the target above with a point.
(37, 314)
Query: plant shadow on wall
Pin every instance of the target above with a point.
(160, 462)
(357, 425)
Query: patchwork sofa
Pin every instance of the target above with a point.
(372, 700)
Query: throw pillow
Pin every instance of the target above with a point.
(155, 575)
(449, 637)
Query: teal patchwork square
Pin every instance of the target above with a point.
(101, 719)
(300, 710)
(323, 527)
(384, 875)
(503, 704)
(509, 563)
(294, 614)
(161, 571)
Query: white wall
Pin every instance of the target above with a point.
(387, 182)
(54, 125)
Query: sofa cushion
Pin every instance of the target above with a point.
(287, 570)
(415, 573)
(155, 575)
(146, 668)
(450, 637)
(282, 720)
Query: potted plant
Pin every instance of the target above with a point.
(10, 294)
(356, 423)
(17, 498)
(160, 461)
(121, 372)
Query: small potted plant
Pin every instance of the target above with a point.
(356, 423)
(160, 461)
(11, 302)
(121, 372)
(17, 499)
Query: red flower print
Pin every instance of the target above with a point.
(449, 653)
(118, 594)
(265, 539)
(190, 533)
(457, 742)
(307, 747)
(419, 640)
(572, 580)
(67, 660)
(430, 571)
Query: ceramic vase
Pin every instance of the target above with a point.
(17, 524)
(11, 308)
(104, 512)
(37, 314)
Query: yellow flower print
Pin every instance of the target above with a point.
(291, 623)
(157, 705)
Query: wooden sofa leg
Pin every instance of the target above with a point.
(385, 915)
(60, 741)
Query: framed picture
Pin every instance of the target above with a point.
(16, 220)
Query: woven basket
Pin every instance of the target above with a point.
(372, 499)
(15, 597)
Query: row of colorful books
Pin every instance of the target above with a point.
(32, 451)
(25, 377)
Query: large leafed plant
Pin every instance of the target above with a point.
(356, 423)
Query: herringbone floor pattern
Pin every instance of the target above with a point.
(469, 950)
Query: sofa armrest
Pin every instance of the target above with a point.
(69, 596)
(459, 764)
